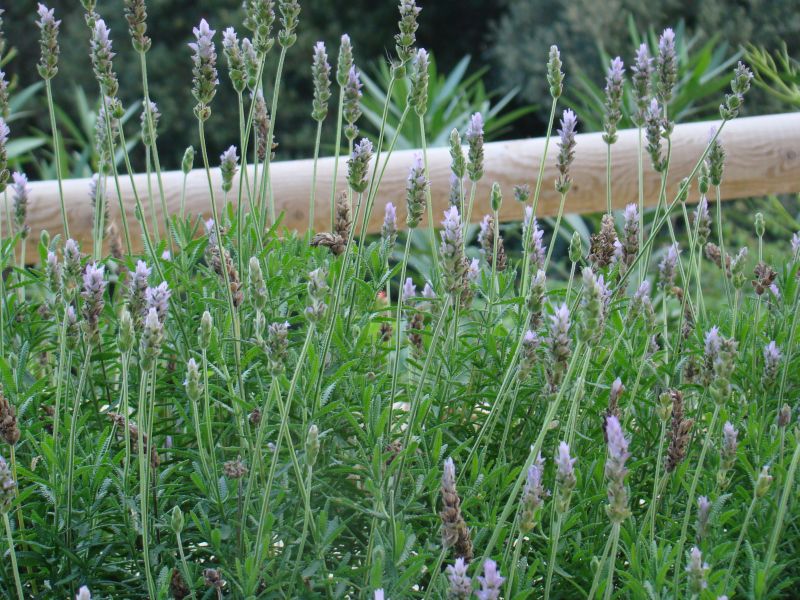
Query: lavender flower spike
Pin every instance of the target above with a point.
(703, 513)
(158, 298)
(409, 289)
(21, 193)
(474, 137)
(352, 103)
(533, 495)
(389, 229)
(772, 359)
(48, 42)
(358, 165)
(565, 477)
(452, 250)
(666, 268)
(491, 582)
(460, 583)
(666, 66)
(566, 150)
(102, 56)
(321, 73)
(204, 58)
(697, 570)
(416, 189)
(613, 102)
(94, 287)
(616, 471)
(642, 81)
(84, 593)
(229, 165)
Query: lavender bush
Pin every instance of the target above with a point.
(246, 412)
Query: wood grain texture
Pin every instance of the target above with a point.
(763, 157)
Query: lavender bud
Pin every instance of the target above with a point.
(150, 343)
(460, 584)
(418, 97)
(53, 272)
(352, 103)
(321, 73)
(654, 129)
(358, 165)
(772, 360)
(565, 477)
(194, 389)
(94, 287)
(21, 193)
(784, 416)
(127, 333)
(491, 582)
(206, 329)
(642, 82)
(149, 119)
(697, 571)
(416, 189)
(575, 247)
(73, 329)
(702, 220)
(703, 513)
(759, 224)
(345, 61)
(229, 166)
(630, 234)
(451, 250)
(727, 454)
(566, 153)
(188, 160)
(666, 268)
(290, 13)
(554, 75)
(405, 39)
(613, 103)
(389, 228)
(176, 521)
(136, 15)
(715, 159)
(259, 17)
(530, 343)
(409, 290)
(454, 530)
(666, 66)
(456, 184)
(204, 71)
(251, 64)
(317, 289)
(642, 305)
(4, 109)
(48, 42)
(763, 482)
(740, 85)
(474, 136)
(458, 164)
(738, 264)
(312, 445)
(7, 486)
(72, 268)
(559, 342)
(535, 300)
(257, 285)
(533, 495)
(594, 305)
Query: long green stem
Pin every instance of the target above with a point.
(692, 489)
(12, 552)
(144, 479)
(312, 199)
(788, 486)
(186, 575)
(739, 540)
(612, 561)
(73, 433)
(551, 564)
(57, 158)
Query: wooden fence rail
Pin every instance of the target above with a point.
(763, 158)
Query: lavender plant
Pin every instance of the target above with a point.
(308, 424)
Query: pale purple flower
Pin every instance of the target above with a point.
(559, 334)
(21, 193)
(796, 244)
(613, 101)
(460, 583)
(451, 250)
(321, 74)
(166, 255)
(594, 304)
(389, 229)
(667, 266)
(654, 126)
(538, 249)
(702, 220)
(358, 165)
(491, 582)
(617, 388)
(772, 359)
(48, 42)
(616, 471)
(352, 103)
(427, 291)
(729, 439)
(630, 233)
(204, 71)
(473, 270)
(204, 46)
(379, 594)
(4, 132)
(158, 298)
(409, 289)
(83, 593)
(565, 476)
(94, 287)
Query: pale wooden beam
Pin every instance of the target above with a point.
(763, 157)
